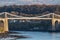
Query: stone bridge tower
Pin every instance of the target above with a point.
(6, 23)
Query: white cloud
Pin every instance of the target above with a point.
(47, 1)
(23, 2)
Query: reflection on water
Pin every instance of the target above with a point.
(36, 36)
(40, 35)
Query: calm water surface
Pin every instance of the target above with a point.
(39, 35)
(35, 36)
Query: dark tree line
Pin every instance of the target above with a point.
(31, 9)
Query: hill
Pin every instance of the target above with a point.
(31, 9)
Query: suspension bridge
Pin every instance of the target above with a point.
(4, 16)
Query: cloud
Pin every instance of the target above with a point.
(46, 1)
(10, 2)
(6, 3)
(24, 2)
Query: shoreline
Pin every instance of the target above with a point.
(39, 31)
(6, 35)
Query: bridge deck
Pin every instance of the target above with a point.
(31, 18)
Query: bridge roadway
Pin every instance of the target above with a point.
(31, 18)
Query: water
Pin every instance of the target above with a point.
(36, 36)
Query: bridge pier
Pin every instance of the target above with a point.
(6, 25)
(53, 23)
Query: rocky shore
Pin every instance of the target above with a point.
(7, 35)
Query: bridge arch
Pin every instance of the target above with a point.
(1, 26)
(56, 23)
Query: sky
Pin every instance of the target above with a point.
(29, 2)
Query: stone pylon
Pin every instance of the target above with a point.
(53, 22)
(6, 23)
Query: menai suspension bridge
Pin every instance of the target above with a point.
(6, 16)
